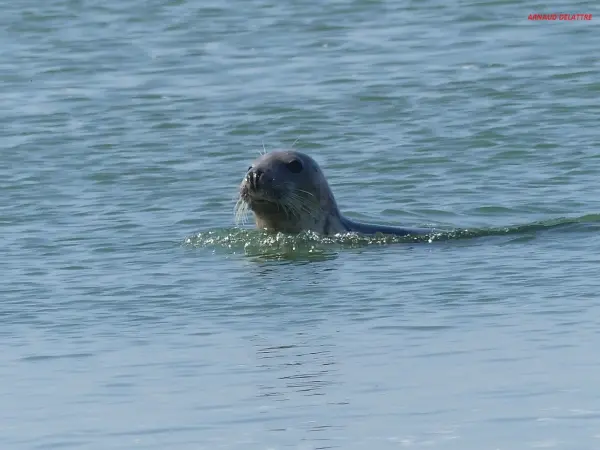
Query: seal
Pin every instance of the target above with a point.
(287, 192)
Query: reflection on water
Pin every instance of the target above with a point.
(305, 368)
(302, 372)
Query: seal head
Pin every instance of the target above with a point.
(287, 192)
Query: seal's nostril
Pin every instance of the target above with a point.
(255, 178)
(258, 178)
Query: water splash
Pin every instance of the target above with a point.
(312, 246)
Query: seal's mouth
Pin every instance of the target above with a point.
(261, 202)
(259, 195)
(271, 201)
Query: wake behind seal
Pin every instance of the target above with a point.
(287, 192)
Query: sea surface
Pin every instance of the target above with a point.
(135, 312)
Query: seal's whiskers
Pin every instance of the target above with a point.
(241, 211)
(264, 150)
(305, 192)
(301, 204)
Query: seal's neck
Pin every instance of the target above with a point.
(279, 223)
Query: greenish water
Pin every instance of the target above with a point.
(135, 314)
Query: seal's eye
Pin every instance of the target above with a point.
(294, 166)
(249, 169)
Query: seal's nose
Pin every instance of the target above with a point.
(255, 178)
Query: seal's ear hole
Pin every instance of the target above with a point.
(294, 166)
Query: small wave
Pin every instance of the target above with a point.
(312, 246)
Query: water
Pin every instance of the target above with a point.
(136, 315)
